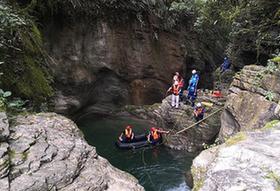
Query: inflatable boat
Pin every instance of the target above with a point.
(138, 142)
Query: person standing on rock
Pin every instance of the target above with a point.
(192, 88)
(175, 89)
(225, 65)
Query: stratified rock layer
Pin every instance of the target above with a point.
(47, 152)
(247, 161)
(248, 105)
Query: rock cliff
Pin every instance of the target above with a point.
(247, 161)
(252, 100)
(47, 152)
(102, 63)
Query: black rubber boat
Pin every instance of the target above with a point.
(138, 142)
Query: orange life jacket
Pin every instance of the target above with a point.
(176, 89)
(198, 111)
(128, 133)
(155, 135)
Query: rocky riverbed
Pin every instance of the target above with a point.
(47, 151)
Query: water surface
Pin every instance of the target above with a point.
(157, 169)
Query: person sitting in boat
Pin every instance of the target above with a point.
(155, 135)
(127, 135)
(198, 112)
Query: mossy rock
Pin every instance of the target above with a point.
(271, 124)
(241, 136)
(199, 174)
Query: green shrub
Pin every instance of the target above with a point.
(23, 71)
(270, 96)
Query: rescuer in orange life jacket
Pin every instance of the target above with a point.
(155, 134)
(127, 135)
(175, 89)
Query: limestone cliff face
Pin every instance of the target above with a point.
(47, 152)
(247, 161)
(248, 106)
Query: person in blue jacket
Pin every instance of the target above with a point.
(192, 88)
(225, 65)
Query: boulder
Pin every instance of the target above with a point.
(46, 151)
(247, 161)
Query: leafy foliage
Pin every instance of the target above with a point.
(216, 143)
(182, 6)
(3, 98)
(23, 71)
(270, 95)
(254, 31)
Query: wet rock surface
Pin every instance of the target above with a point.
(248, 105)
(247, 161)
(47, 152)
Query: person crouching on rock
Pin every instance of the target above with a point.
(155, 135)
(175, 89)
(198, 112)
(127, 135)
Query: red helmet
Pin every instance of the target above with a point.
(153, 129)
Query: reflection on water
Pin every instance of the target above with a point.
(157, 169)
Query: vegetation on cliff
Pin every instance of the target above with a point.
(23, 66)
(255, 32)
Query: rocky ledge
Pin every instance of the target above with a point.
(164, 116)
(47, 152)
(247, 161)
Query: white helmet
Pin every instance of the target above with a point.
(199, 105)
(194, 71)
